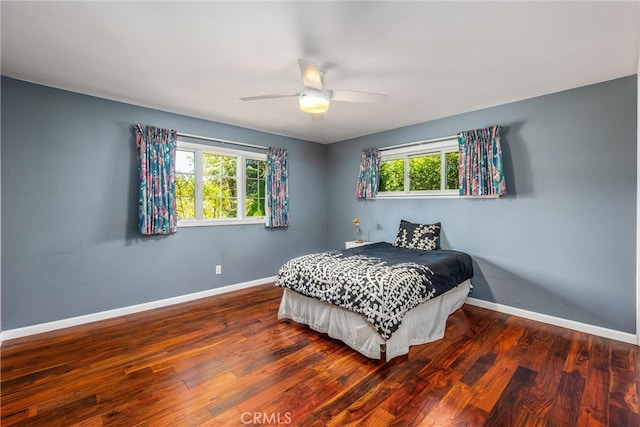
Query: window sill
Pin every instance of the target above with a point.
(217, 222)
(455, 195)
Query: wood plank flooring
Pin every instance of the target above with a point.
(228, 361)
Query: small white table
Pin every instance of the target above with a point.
(355, 243)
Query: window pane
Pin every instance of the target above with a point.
(211, 187)
(252, 167)
(185, 161)
(218, 165)
(185, 207)
(229, 208)
(220, 207)
(255, 207)
(211, 207)
(424, 173)
(392, 175)
(452, 171)
(210, 165)
(229, 188)
(185, 184)
(254, 187)
(229, 165)
(219, 186)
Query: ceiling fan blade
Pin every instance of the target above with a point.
(257, 98)
(311, 74)
(354, 96)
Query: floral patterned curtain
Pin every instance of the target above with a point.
(369, 176)
(156, 150)
(277, 191)
(480, 163)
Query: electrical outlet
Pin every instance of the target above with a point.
(218, 269)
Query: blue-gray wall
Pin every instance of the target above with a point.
(562, 242)
(69, 211)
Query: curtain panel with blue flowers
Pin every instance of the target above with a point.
(481, 171)
(369, 175)
(277, 191)
(156, 152)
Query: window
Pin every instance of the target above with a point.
(424, 170)
(218, 185)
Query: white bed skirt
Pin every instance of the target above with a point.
(422, 324)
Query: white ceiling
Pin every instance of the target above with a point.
(433, 59)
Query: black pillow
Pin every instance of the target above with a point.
(418, 236)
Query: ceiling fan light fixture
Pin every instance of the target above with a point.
(314, 102)
(315, 97)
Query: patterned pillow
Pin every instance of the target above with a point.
(418, 236)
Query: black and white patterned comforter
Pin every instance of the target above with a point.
(380, 281)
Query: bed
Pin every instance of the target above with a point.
(379, 299)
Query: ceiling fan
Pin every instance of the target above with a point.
(315, 97)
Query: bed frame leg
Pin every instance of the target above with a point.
(383, 352)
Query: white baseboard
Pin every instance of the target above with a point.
(103, 315)
(556, 321)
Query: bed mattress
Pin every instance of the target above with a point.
(422, 324)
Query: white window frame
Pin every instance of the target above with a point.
(241, 158)
(420, 149)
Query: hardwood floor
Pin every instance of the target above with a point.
(227, 360)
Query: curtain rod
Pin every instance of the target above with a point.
(426, 141)
(222, 141)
